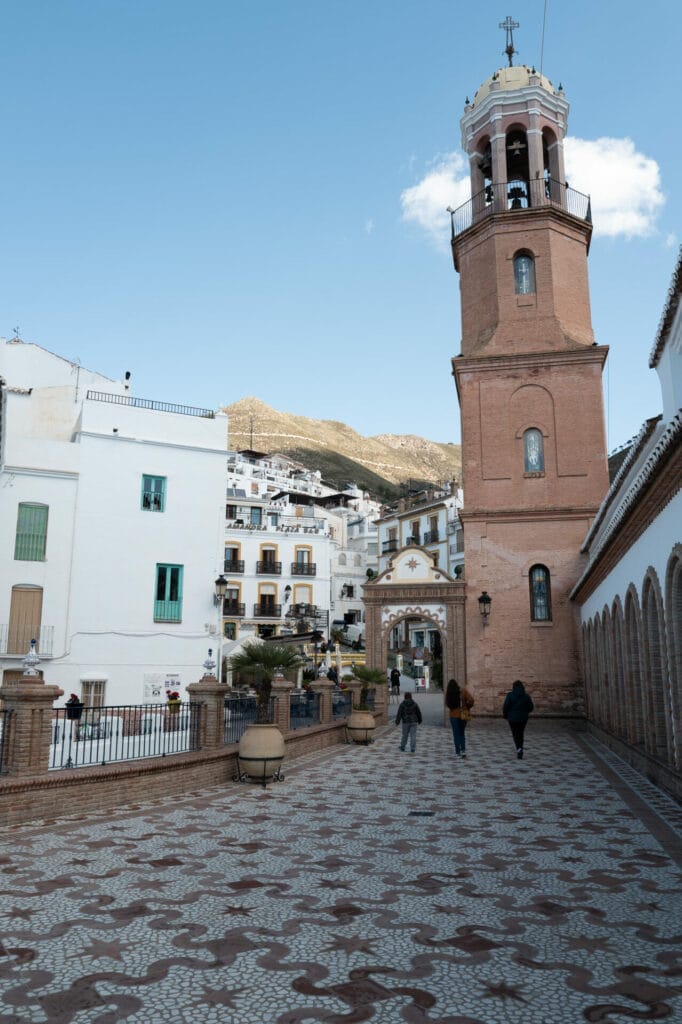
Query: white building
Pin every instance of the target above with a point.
(630, 595)
(430, 520)
(289, 560)
(111, 509)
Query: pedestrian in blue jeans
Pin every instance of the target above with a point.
(410, 717)
(459, 703)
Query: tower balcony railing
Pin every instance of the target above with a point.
(503, 196)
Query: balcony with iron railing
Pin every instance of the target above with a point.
(431, 537)
(234, 609)
(268, 567)
(303, 568)
(511, 196)
(388, 546)
(234, 565)
(15, 639)
(267, 611)
(414, 540)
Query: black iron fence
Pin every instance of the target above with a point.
(239, 713)
(342, 704)
(92, 735)
(304, 709)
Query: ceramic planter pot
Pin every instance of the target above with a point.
(261, 752)
(360, 726)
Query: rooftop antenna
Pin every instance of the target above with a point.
(16, 336)
(542, 44)
(509, 25)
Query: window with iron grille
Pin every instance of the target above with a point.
(31, 536)
(92, 692)
(153, 493)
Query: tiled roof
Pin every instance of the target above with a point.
(669, 311)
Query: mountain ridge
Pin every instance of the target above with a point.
(382, 464)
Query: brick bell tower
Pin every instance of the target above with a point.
(530, 392)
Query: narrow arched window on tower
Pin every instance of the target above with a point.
(533, 451)
(540, 594)
(524, 274)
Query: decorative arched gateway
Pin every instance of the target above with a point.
(413, 585)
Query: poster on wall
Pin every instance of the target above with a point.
(155, 685)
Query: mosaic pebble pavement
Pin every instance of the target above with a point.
(542, 891)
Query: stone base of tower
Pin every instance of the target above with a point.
(510, 645)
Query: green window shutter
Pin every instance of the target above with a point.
(168, 593)
(31, 538)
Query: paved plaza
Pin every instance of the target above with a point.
(369, 885)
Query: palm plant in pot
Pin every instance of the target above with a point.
(361, 723)
(261, 748)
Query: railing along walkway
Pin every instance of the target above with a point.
(100, 735)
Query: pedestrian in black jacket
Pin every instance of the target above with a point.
(410, 716)
(516, 709)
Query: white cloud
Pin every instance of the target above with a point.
(445, 184)
(369, 226)
(624, 185)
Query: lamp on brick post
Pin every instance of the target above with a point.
(220, 587)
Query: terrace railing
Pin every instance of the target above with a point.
(509, 196)
(125, 732)
(304, 709)
(239, 714)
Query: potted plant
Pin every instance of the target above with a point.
(361, 723)
(74, 708)
(261, 747)
(174, 702)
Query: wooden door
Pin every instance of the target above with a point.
(24, 619)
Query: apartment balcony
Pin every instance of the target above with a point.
(267, 611)
(388, 546)
(234, 566)
(15, 640)
(268, 568)
(304, 611)
(431, 537)
(303, 568)
(234, 609)
(413, 541)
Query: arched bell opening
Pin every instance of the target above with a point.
(552, 170)
(518, 175)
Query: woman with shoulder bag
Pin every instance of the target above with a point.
(459, 703)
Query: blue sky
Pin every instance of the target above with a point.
(242, 198)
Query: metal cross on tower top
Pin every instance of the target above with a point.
(509, 25)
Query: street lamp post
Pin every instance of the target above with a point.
(316, 637)
(220, 586)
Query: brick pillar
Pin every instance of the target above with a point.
(27, 743)
(210, 694)
(324, 687)
(281, 690)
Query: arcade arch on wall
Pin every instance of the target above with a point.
(414, 586)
